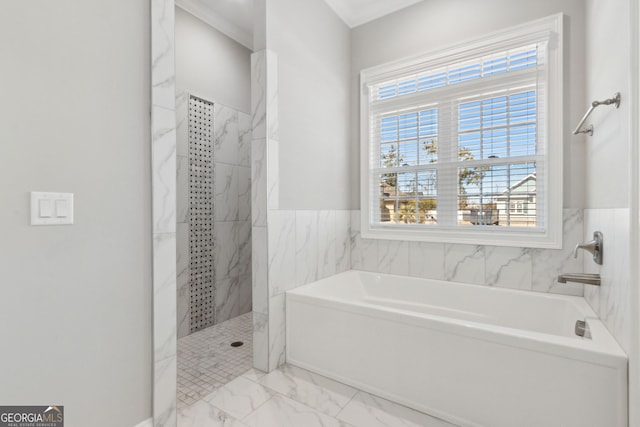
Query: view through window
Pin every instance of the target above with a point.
(483, 136)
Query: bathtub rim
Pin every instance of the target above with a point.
(601, 349)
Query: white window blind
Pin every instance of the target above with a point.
(459, 143)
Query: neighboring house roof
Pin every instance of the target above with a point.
(523, 185)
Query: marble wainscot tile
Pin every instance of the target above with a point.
(164, 397)
(547, 264)
(464, 263)
(182, 189)
(182, 123)
(364, 252)
(259, 270)
(244, 139)
(326, 243)
(370, 411)
(393, 257)
(281, 411)
(163, 152)
(619, 304)
(225, 201)
(182, 280)
(282, 250)
(164, 295)
(244, 242)
(225, 134)
(343, 241)
(318, 392)
(592, 222)
(244, 193)
(426, 260)
(277, 337)
(260, 341)
(240, 397)
(226, 249)
(306, 248)
(273, 174)
(507, 267)
(163, 90)
(259, 182)
(203, 414)
(611, 299)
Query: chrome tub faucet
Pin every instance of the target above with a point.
(588, 279)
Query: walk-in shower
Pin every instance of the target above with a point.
(213, 245)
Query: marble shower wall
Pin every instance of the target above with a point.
(264, 156)
(232, 212)
(611, 300)
(163, 169)
(304, 246)
(504, 267)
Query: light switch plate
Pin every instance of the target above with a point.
(51, 208)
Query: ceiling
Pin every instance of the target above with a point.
(358, 12)
(235, 17)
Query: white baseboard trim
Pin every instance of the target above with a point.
(145, 423)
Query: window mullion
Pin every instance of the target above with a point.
(447, 173)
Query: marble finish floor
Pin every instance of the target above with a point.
(294, 397)
(206, 360)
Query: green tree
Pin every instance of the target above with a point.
(466, 176)
(391, 159)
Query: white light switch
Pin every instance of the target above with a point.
(51, 208)
(62, 208)
(45, 208)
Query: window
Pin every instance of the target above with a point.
(465, 144)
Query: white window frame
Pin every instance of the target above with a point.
(552, 138)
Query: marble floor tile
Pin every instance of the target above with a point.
(318, 392)
(281, 411)
(203, 414)
(254, 374)
(365, 410)
(240, 397)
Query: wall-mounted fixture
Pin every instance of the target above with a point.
(595, 247)
(586, 278)
(615, 101)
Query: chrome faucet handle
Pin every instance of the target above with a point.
(594, 247)
(589, 247)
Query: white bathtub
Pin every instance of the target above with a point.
(472, 355)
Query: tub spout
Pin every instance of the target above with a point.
(589, 279)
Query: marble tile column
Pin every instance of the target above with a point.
(163, 168)
(268, 314)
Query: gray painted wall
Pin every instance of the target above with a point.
(435, 23)
(312, 45)
(211, 65)
(607, 71)
(75, 301)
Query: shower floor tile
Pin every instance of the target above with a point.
(206, 360)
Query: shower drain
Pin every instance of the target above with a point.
(236, 344)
